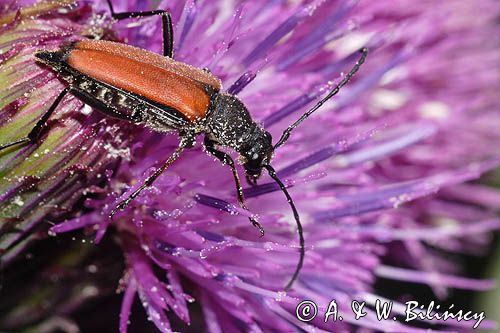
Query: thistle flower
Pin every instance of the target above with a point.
(382, 176)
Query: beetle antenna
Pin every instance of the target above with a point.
(347, 78)
(274, 176)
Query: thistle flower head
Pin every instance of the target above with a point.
(381, 175)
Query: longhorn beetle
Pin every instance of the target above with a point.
(142, 87)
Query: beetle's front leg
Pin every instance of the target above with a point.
(227, 160)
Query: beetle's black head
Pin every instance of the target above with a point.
(257, 154)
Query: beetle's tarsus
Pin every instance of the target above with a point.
(10, 144)
(34, 134)
(121, 206)
(257, 225)
(227, 160)
(113, 212)
(150, 180)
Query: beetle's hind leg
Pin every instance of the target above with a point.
(226, 159)
(34, 134)
(166, 20)
(150, 180)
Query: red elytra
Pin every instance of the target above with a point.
(158, 78)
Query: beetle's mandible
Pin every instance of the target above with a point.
(165, 95)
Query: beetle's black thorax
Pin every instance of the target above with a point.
(229, 123)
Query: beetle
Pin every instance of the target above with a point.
(143, 87)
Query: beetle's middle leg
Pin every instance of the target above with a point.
(34, 134)
(166, 20)
(226, 159)
(150, 180)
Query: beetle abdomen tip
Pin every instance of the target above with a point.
(49, 57)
